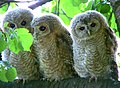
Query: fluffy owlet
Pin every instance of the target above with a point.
(53, 47)
(94, 46)
(24, 62)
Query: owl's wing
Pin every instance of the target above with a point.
(64, 43)
(68, 37)
(66, 50)
(69, 42)
(111, 44)
(111, 39)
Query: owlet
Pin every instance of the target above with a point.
(53, 47)
(94, 46)
(25, 62)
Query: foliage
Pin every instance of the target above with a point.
(17, 40)
(69, 8)
(7, 72)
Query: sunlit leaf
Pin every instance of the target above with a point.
(13, 5)
(25, 38)
(89, 6)
(2, 74)
(113, 22)
(20, 40)
(103, 8)
(3, 45)
(3, 9)
(83, 1)
(48, 7)
(82, 7)
(15, 45)
(53, 6)
(76, 2)
(11, 74)
(69, 9)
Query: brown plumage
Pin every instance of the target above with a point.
(53, 47)
(25, 62)
(94, 46)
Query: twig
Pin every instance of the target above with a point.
(38, 3)
(16, 1)
(58, 6)
(33, 6)
(66, 14)
(110, 16)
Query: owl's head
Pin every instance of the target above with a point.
(46, 25)
(18, 18)
(87, 24)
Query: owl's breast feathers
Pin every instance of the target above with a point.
(57, 60)
(26, 65)
(95, 52)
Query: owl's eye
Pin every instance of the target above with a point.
(93, 25)
(42, 28)
(11, 25)
(82, 28)
(23, 23)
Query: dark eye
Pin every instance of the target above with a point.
(93, 25)
(11, 25)
(42, 28)
(23, 23)
(82, 28)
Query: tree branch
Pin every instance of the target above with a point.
(33, 6)
(116, 9)
(38, 3)
(66, 83)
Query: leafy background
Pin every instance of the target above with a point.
(65, 9)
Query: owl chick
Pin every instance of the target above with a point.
(94, 46)
(53, 47)
(25, 62)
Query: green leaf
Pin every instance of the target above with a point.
(20, 40)
(13, 5)
(3, 9)
(103, 7)
(113, 22)
(69, 9)
(76, 2)
(83, 1)
(48, 7)
(11, 74)
(2, 74)
(25, 38)
(89, 5)
(82, 7)
(3, 43)
(15, 45)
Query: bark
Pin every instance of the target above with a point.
(116, 9)
(76, 82)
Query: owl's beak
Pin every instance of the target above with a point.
(88, 31)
